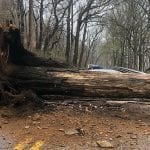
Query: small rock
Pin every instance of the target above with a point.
(92, 144)
(34, 122)
(95, 107)
(80, 131)
(27, 132)
(62, 130)
(133, 137)
(39, 127)
(45, 128)
(62, 145)
(5, 122)
(27, 127)
(12, 133)
(118, 136)
(93, 125)
(4, 138)
(71, 132)
(87, 110)
(104, 144)
(36, 117)
(132, 143)
(80, 107)
(62, 124)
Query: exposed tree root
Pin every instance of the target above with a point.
(13, 53)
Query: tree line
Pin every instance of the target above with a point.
(107, 32)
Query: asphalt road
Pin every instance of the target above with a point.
(136, 138)
(29, 143)
(5, 142)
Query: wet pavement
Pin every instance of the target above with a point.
(5, 142)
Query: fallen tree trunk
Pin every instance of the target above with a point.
(81, 84)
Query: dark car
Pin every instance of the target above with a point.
(93, 66)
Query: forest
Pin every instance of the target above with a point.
(106, 32)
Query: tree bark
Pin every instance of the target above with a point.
(30, 38)
(68, 39)
(41, 24)
(83, 84)
(75, 56)
(83, 45)
(21, 15)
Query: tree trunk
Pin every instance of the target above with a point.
(21, 15)
(37, 34)
(41, 24)
(76, 49)
(68, 39)
(141, 62)
(83, 84)
(135, 60)
(30, 38)
(83, 44)
(72, 29)
(87, 58)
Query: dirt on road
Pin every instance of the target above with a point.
(77, 126)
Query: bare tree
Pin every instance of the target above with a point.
(30, 38)
(41, 24)
(21, 15)
(91, 12)
(68, 39)
(83, 44)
